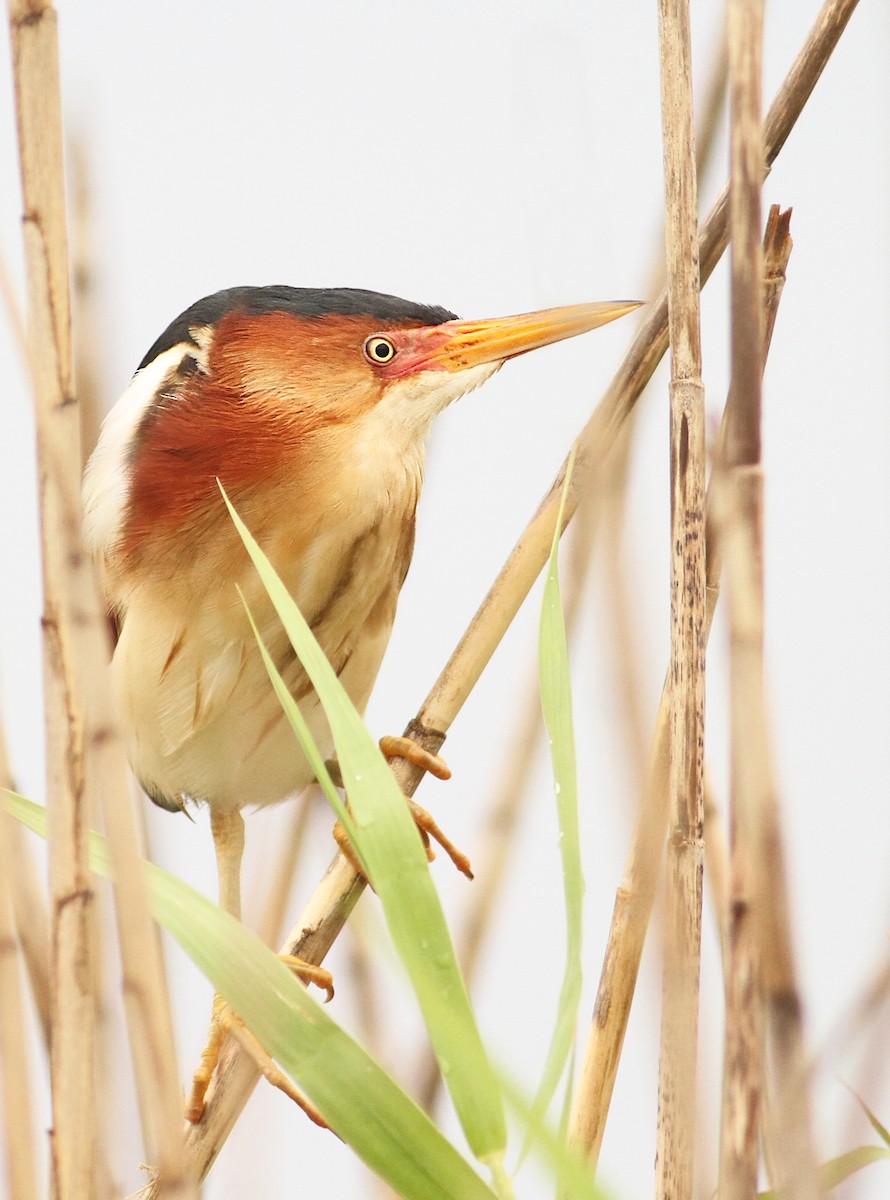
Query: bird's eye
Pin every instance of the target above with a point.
(379, 350)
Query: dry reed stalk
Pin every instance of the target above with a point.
(35, 57)
(749, 774)
(15, 1094)
(675, 1138)
(86, 324)
(760, 889)
(628, 689)
(796, 1166)
(85, 755)
(717, 865)
(636, 893)
(714, 103)
(791, 1135)
(29, 914)
(336, 895)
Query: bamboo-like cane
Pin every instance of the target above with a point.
(675, 1138)
(335, 896)
(743, 1040)
(636, 894)
(85, 755)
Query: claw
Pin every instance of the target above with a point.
(224, 1021)
(310, 973)
(402, 747)
(429, 829)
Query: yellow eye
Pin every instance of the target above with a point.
(379, 350)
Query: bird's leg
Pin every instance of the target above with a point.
(433, 764)
(228, 841)
(227, 828)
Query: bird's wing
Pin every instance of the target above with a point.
(175, 677)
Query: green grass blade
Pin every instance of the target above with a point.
(576, 1181)
(386, 840)
(880, 1129)
(382, 1124)
(301, 729)
(836, 1170)
(556, 703)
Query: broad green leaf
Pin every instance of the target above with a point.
(360, 1101)
(556, 703)
(386, 840)
(836, 1170)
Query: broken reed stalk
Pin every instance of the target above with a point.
(749, 771)
(636, 893)
(336, 895)
(675, 1138)
(84, 753)
(761, 940)
(761, 936)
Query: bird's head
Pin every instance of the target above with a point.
(253, 384)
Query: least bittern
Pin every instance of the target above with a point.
(311, 407)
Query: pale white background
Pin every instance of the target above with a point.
(496, 158)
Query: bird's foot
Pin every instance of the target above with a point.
(402, 747)
(225, 1022)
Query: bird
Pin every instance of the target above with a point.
(311, 407)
